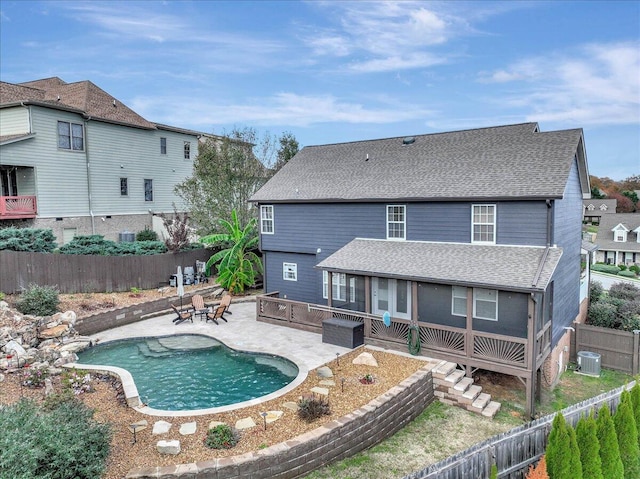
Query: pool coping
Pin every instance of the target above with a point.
(132, 396)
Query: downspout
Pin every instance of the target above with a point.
(86, 155)
(28, 115)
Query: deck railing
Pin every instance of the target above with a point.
(18, 207)
(485, 348)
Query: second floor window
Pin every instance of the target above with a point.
(187, 150)
(124, 187)
(396, 222)
(70, 136)
(163, 146)
(266, 219)
(483, 224)
(290, 271)
(148, 190)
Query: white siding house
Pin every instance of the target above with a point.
(78, 161)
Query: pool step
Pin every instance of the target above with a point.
(184, 343)
(152, 349)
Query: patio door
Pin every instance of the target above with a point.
(393, 295)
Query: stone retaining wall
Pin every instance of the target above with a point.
(113, 318)
(336, 440)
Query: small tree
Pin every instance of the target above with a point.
(239, 264)
(589, 446)
(39, 300)
(539, 471)
(635, 402)
(625, 425)
(177, 227)
(609, 451)
(559, 450)
(596, 290)
(575, 464)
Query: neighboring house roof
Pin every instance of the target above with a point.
(83, 97)
(514, 268)
(6, 139)
(511, 162)
(599, 206)
(629, 222)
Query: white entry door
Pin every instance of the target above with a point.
(393, 295)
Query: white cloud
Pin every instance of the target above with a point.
(596, 84)
(281, 109)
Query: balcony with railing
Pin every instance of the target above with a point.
(18, 207)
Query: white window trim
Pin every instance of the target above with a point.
(393, 293)
(290, 271)
(264, 220)
(187, 150)
(494, 224)
(339, 283)
(403, 222)
(163, 146)
(454, 297)
(475, 299)
(144, 185)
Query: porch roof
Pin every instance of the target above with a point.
(514, 268)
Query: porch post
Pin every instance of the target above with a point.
(414, 302)
(532, 382)
(329, 288)
(468, 346)
(367, 294)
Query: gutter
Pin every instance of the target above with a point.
(86, 155)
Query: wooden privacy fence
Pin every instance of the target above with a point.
(619, 350)
(515, 450)
(89, 273)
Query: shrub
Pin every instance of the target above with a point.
(97, 245)
(558, 450)
(596, 290)
(624, 291)
(53, 401)
(38, 300)
(77, 381)
(575, 464)
(627, 432)
(622, 267)
(64, 443)
(34, 377)
(635, 268)
(27, 239)
(627, 274)
(635, 402)
(312, 408)
(589, 448)
(147, 235)
(221, 437)
(602, 314)
(605, 268)
(609, 451)
(540, 471)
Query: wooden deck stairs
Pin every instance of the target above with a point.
(454, 388)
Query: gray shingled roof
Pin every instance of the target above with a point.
(514, 268)
(514, 161)
(604, 238)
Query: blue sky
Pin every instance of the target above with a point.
(330, 71)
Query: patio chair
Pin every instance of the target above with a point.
(218, 313)
(226, 302)
(182, 315)
(199, 309)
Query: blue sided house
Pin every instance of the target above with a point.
(469, 240)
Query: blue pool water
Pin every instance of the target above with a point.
(185, 372)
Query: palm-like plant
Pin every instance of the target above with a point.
(238, 263)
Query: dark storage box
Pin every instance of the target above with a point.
(343, 332)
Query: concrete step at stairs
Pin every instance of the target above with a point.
(480, 403)
(491, 409)
(454, 388)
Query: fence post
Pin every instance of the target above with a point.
(636, 352)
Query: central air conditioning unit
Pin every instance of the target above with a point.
(588, 363)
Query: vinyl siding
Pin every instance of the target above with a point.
(60, 175)
(568, 235)
(306, 288)
(121, 152)
(14, 121)
(304, 228)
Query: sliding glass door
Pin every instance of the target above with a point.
(392, 295)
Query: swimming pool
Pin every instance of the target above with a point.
(187, 372)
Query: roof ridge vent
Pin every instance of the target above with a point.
(408, 140)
